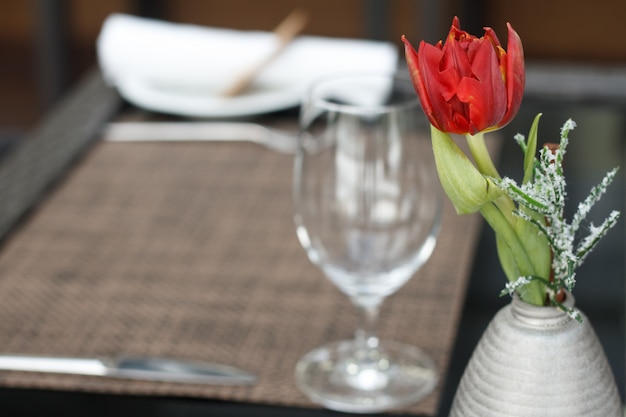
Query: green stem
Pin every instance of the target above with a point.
(485, 165)
(481, 156)
(499, 215)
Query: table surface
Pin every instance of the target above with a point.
(68, 142)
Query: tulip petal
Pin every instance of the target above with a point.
(460, 124)
(491, 35)
(455, 55)
(484, 92)
(448, 80)
(515, 76)
(419, 83)
(456, 23)
(429, 58)
(456, 65)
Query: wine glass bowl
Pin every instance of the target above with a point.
(367, 213)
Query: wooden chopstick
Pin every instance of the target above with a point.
(286, 31)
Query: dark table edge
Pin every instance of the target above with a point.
(37, 161)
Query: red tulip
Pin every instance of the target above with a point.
(468, 84)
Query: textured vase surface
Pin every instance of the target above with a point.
(539, 362)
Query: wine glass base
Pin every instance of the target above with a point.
(342, 377)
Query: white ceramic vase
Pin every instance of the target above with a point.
(539, 362)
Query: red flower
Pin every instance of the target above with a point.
(468, 84)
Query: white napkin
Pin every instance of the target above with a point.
(182, 68)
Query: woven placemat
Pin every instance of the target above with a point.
(189, 250)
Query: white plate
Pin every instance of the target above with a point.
(206, 104)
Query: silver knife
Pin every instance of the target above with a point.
(128, 367)
(186, 131)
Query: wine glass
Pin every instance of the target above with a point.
(367, 212)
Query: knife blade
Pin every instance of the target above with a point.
(129, 367)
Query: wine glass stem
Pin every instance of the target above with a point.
(366, 338)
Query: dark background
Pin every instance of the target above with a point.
(47, 45)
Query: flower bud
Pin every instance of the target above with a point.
(468, 84)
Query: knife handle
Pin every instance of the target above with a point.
(80, 366)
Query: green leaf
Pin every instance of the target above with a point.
(465, 186)
(507, 260)
(531, 149)
(535, 242)
(515, 258)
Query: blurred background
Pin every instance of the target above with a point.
(46, 45)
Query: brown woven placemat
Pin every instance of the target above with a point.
(189, 250)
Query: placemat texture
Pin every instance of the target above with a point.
(189, 250)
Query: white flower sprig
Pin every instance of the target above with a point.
(542, 202)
